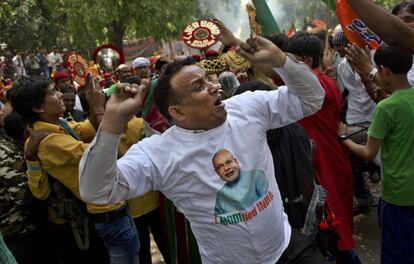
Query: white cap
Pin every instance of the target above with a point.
(140, 62)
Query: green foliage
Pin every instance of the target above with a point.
(388, 4)
(304, 10)
(301, 10)
(82, 25)
(25, 24)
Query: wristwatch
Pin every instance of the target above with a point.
(343, 137)
(372, 73)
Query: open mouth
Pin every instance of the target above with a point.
(218, 102)
(229, 174)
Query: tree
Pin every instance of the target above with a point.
(96, 21)
(25, 24)
(82, 25)
(388, 4)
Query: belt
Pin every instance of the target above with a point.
(109, 216)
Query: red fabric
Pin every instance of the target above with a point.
(331, 161)
(182, 248)
(107, 75)
(292, 30)
(211, 53)
(60, 75)
(196, 57)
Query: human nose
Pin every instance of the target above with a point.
(226, 167)
(214, 88)
(59, 94)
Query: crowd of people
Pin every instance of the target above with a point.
(256, 153)
(29, 63)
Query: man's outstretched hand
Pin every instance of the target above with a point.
(261, 51)
(360, 59)
(123, 104)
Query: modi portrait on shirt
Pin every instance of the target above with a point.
(242, 188)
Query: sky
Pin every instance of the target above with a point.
(233, 13)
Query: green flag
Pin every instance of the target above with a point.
(265, 18)
(332, 5)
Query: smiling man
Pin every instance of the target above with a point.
(178, 162)
(242, 189)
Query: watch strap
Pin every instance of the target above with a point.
(372, 73)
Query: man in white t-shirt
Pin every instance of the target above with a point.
(55, 59)
(178, 162)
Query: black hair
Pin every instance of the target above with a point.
(225, 49)
(252, 86)
(28, 93)
(279, 39)
(159, 63)
(304, 44)
(397, 60)
(164, 96)
(68, 89)
(401, 6)
(83, 101)
(133, 79)
(15, 125)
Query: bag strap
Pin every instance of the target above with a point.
(68, 130)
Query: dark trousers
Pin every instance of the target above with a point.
(361, 192)
(26, 249)
(302, 249)
(62, 247)
(397, 233)
(145, 223)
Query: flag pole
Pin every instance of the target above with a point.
(328, 8)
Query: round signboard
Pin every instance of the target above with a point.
(77, 67)
(201, 34)
(108, 57)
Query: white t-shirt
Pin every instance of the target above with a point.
(360, 105)
(411, 75)
(179, 164)
(54, 58)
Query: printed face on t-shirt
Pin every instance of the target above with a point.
(226, 165)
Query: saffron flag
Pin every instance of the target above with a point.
(355, 29)
(292, 29)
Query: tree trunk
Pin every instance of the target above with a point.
(116, 34)
(171, 49)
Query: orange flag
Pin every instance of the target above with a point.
(292, 29)
(355, 29)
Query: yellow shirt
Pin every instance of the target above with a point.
(149, 201)
(59, 155)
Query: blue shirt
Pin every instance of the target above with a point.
(242, 193)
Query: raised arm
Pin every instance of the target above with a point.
(229, 39)
(298, 77)
(96, 101)
(360, 60)
(101, 181)
(389, 28)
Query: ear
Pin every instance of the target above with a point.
(176, 113)
(38, 110)
(386, 71)
(308, 61)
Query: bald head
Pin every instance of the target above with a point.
(122, 72)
